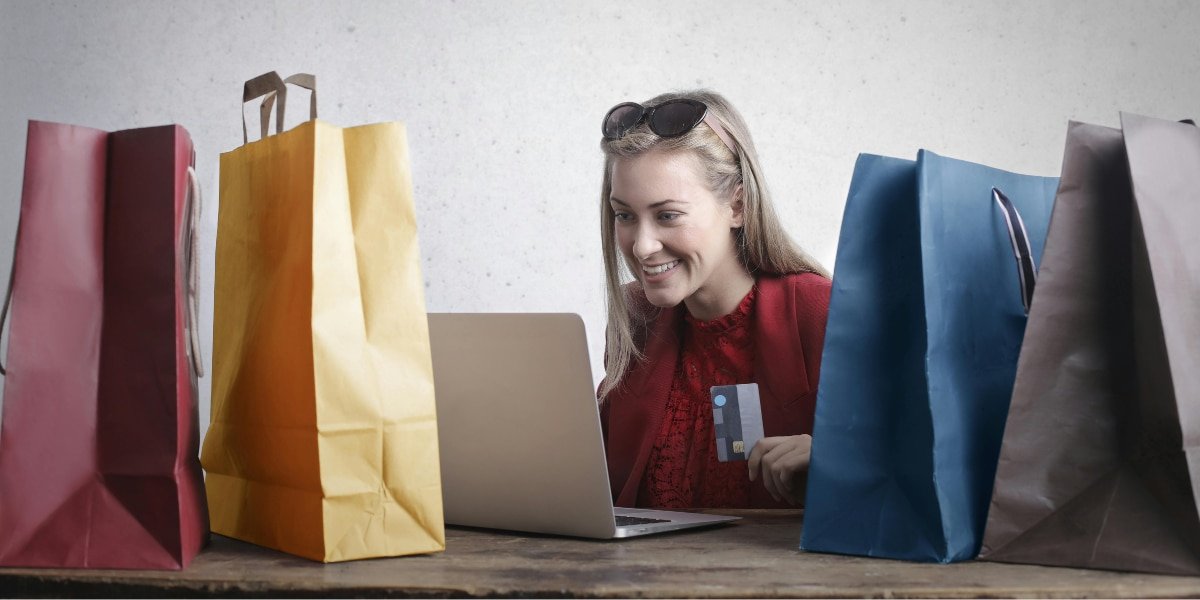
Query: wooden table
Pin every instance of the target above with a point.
(756, 557)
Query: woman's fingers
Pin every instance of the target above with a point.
(790, 472)
(793, 463)
(779, 476)
(782, 462)
(771, 465)
(761, 448)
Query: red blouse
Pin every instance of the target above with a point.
(788, 325)
(683, 470)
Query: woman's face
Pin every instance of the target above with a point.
(674, 232)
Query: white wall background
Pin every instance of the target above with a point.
(503, 101)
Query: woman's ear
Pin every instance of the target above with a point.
(737, 206)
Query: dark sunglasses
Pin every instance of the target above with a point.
(672, 118)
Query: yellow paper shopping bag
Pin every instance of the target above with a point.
(323, 440)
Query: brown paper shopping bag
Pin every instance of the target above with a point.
(1100, 459)
(323, 441)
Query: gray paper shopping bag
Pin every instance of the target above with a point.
(1098, 466)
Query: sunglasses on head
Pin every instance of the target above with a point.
(672, 118)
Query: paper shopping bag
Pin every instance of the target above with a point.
(1098, 466)
(323, 441)
(98, 464)
(935, 263)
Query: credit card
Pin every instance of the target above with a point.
(737, 420)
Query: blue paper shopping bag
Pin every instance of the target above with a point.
(934, 270)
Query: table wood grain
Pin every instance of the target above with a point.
(754, 557)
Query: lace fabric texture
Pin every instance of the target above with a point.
(683, 470)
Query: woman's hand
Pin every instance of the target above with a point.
(783, 461)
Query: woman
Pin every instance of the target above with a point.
(720, 296)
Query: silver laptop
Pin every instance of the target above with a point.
(519, 430)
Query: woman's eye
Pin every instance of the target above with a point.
(668, 216)
(624, 217)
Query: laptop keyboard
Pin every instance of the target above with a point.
(623, 521)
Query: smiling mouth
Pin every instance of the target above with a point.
(663, 268)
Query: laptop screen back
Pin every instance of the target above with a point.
(519, 429)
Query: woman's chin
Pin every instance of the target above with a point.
(663, 298)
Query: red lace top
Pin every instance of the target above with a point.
(683, 471)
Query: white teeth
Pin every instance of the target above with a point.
(660, 268)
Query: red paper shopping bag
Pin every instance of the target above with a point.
(98, 447)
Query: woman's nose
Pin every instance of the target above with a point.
(646, 243)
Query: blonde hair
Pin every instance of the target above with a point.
(762, 244)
